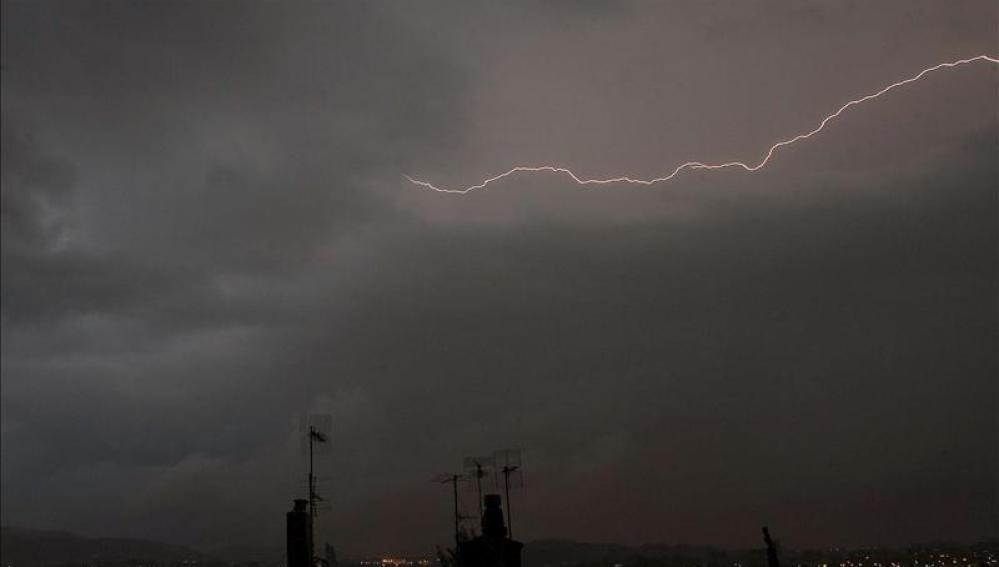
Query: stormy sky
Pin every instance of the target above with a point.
(207, 232)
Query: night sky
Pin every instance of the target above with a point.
(207, 231)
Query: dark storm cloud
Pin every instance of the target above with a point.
(214, 167)
(35, 187)
(259, 117)
(206, 232)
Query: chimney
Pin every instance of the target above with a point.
(492, 518)
(299, 533)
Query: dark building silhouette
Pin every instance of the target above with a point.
(493, 548)
(299, 535)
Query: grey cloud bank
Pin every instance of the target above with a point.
(206, 232)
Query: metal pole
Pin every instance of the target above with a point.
(457, 530)
(312, 499)
(509, 518)
(478, 483)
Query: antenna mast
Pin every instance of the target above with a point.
(510, 460)
(453, 479)
(479, 467)
(317, 435)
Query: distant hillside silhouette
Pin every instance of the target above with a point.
(568, 553)
(22, 547)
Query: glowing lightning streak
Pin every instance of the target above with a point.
(697, 164)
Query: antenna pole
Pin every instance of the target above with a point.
(478, 482)
(452, 479)
(316, 436)
(312, 498)
(506, 484)
(457, 529)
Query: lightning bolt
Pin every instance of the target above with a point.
(697, 164)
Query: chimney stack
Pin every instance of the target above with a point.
(492, 518)
(299, 534)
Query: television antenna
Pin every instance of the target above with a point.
(315, 434)
(509, 465)
(479, 468)
(453, 479)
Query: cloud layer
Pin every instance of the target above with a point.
(206, 232)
